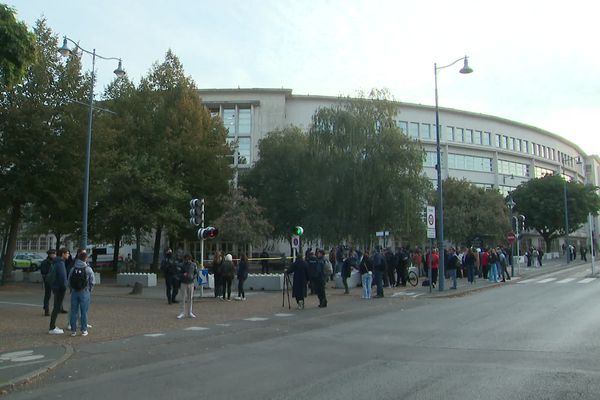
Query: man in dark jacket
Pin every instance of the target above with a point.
(170, 269)
(378, 271)
(45, 270)
(58, 277)
(316, 276)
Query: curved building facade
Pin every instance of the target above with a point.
(488, 151)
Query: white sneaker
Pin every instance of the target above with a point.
(192, 315)
(243, 299)
(180, 316)
(84, 333)
(73, 333)
(89, 326)
(69, 327)
(237, 298)
(56, 331)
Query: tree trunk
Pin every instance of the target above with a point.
(138, 245)
(116, 248)
(15, 220)
(156, 255)
(57, 236)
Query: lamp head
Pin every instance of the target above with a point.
(64, 49)
(120, 72)
(466, 69)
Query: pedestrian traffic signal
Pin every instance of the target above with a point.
(208, 233)
(196, 211)
(297, 230)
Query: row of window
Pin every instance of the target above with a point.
(426, 131)
(39, 244)
(479, 164)
(238, 123)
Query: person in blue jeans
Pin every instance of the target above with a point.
(81, 282)
(453, 265)
(366, 274)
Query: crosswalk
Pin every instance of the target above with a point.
(577, 280)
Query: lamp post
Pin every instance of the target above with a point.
(511, 204)
(518, 235)
(440, 203)
(65, 51)
(580, 162)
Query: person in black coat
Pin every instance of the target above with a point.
(300, 270)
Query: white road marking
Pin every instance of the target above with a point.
(284, 315)
(587, 280)
(15, 354)
(223, 325)
(546, 280)
(196, 328)
(32, 357)
(527, 281)
(256, 319)
(154, 334)
(19, 304)
(566, 280)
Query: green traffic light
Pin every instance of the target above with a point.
(298, 230)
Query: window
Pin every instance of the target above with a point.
(541, 172)
(459, 135)
(511, 144)
(505, 142)
(539, 150)
(413, 130)
(430, 159)
(497, 140)
(487, 138)
(519, 145)
(403, 125)
(477, 137)
(513, 168)
(244, 150)
(472, 163)
(229, 121)
(534, 148)
(425, 131)
(450, 133)
(553, 154)
(244, 121)
(525, 146)
(468, 136)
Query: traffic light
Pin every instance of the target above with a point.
(297, 230)
(208, 233)
(196, 212)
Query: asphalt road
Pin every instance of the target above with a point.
(535, 339)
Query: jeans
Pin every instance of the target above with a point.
(493, 273)
(471, 273)
(80, 303)
(367, 282)
(47, 294)
(227, 287)
(59, 295)
(187, 290)
(452, 273)
(241, 292)
(172, 287)
(378, 278)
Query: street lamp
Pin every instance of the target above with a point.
(440, 209)
(580, 162)
(65, 51)
(511, 204)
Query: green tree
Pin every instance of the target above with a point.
(541, 200)
(472, 213)
(17, 52)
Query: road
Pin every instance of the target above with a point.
(537, 339)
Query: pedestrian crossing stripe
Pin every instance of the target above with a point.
(283, 315)
(546, 280)
(554, 280)
(154, 334)
(527, 281)
(566, 280)
(256, 319)
(196, 328)
(587, 280)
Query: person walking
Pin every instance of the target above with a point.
(227, 272)
(81, 281)
(316, 277)
(366, 275)
(170, 269)
(347, 271)
(58, 280)
(45, 267)
(299, 269)
(189, 274)
(242, 275)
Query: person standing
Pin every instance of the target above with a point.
(227, 272)
(300, 278)
(129, 263)
(189, 273)
(81, 282)
(453, 265)
(540, 255)
(242, 275)
(583, 252)
(485, 260)
(45, 267)
(316, 277)
(170, 269)
(264, 262)
(217, 263)
(471, 262)
(58, 279)
(435, 266)
(322, 278)
(366, 275)
(346, 272)
(378, 271)
(493, 263)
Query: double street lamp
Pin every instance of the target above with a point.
(440, 203)
(119, 72)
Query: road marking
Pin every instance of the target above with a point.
(32, 357)
(19, 304)
(15, 354)
(587, 280)
(256, 319)
(154, 334)
(284, 315)
(223, 325)
(527, 281)
(196, 328)
(566, 280)
(546, 280)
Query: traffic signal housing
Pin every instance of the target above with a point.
(208, 233)
(297, 230)
(196, 211)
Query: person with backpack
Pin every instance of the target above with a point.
(57, 278)
(227, 273)
(81, 282)
(242, 275)
(170, 269)
(189, 273)
(45, 270)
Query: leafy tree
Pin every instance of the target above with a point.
(242, 221)
(471, 212)
(541, 200)
(17, 52)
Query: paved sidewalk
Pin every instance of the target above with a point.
(27, 350)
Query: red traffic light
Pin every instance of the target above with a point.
(208, 233)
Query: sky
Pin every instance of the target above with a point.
(535, 62)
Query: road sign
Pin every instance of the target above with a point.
(510, 236)
(296, 242)
(430, 222)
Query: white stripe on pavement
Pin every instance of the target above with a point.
(546, 280)
(527, 281)
(283, 315)
(256, 319)
(196, 328)
(154, 334)
(587, 280)
(566, 280)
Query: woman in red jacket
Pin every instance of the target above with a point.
(435, 265)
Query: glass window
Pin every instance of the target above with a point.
(231, 142)
(541, 172)
(468, 136)
(511, 144)
(425, 131)
(459, 135)
(413, 130)
(512, 168)
(472, 163)
(497, 140)
(214, 112)
(525, 146)
(553, 154)
(534, 149)
(505, 142)
(229, 120)
(519, 145)
(244, 121)
(450, 133)
(487, 138)
(244, 150)
(477, 137)
(430, 159)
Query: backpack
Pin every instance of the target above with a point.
(328, 268)
(78, 279)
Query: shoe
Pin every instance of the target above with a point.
(84, 333)
(453, 288)
(89, 326)
(243, 299)
(69, 327)
(56, 331)
(180, 316)
(192, 315)
(175, 302)
(301, 304)
(237, 298)
(228, 299)
(73, 333)
(63, 311)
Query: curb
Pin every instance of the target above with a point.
(24, 379)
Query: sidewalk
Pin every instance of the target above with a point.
(27, 350)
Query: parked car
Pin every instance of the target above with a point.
(27, 262)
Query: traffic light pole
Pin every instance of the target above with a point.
(202, 239)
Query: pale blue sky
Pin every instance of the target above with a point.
(534, 62)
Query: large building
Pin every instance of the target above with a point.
(491, 152)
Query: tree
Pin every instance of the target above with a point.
(242, 221)
(472, 213)
(17, 52)
(541, 200)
